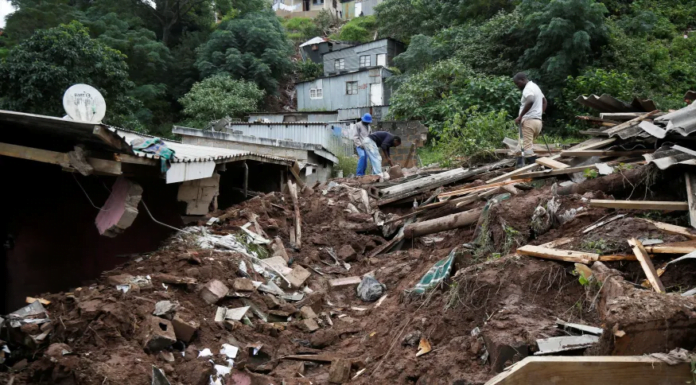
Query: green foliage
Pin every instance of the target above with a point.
(447, 88)
(360, 29)
(301, 29)
(564, 36)
(252, 47)
(37, 72)
(309, 70)
(590, 173)
(472, 133)
(348, 164)
(219, 96)
(248, 6)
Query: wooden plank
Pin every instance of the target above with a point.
(310, 357)
(111, 138)
(630, 123)
(552, 164)
(410, 155)
(103, 166)
(640, 205)
(690, 194)
(557, 242)
(558, 255)
(485, 187)
(348, 281)
(298, 219)
(672, 248)
(587, 145)
(670, 228)
(602, 223)
(591, 153)
(295, 171)
(619, 257)
(569, 170)
(646, 264)
(614, 370)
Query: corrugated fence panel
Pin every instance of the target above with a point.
(327, 135)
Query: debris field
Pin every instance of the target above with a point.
(434, 277)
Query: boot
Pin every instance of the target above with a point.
(531, 159)
(520, 162)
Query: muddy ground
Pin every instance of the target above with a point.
(486, 316)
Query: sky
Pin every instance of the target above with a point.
(5, 9)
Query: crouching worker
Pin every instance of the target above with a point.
(361, 130)
(375, 141)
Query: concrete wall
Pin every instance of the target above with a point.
(410, 132)
(48, 230)
(334, 91)
(378, 113)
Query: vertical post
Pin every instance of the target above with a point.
(691, 196)
(246, 179)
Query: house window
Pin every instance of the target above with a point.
(318, 2)
(365, 61)
(351, 88)
(317, 90)
(340, 64)
(382, 60)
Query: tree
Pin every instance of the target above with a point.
(169, 13)
(562, 37)
(401, 19)
(252, 47)
(359, 29)
(219, 96)
(37, 72)
(32, 15)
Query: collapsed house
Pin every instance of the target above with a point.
(576, 266)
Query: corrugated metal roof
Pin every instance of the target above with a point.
(312, 41)
(682, 121)
(608, 103)
(186, 153)
(59, 128)
(668, 156)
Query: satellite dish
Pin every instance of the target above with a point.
(83, 103)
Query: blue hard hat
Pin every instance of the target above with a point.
(367, 118)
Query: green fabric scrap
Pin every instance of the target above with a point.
(436, 275)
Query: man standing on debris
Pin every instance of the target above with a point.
(532, 106)
(361, 130)
(376, 141)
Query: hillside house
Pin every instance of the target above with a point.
(353, 78)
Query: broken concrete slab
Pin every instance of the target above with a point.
(563, 344)
(339, 372)
(297, 277)
(309, 325)
(307, 312)
(158, 334)
(184, 330)
(347, 253)
(121, 208)
(213, 291)
(243, 284)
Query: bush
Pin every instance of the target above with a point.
(472, 133)
(301, 29)
(448, 87)
(360, 29)
(309, 70)
(220, 96)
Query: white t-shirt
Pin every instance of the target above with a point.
(532, 93)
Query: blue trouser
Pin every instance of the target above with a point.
(373, 155)
(362, 162)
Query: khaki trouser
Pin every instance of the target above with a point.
(531, 128)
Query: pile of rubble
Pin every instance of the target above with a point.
(439, 276)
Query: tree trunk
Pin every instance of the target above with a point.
(449, 222)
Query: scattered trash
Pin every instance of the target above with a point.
(423, 347)
(205, 353)
(370, 290)
(436, 275)
(563, 344)
(158, 377)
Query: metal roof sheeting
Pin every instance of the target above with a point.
(682, 121)
(608, 103)
(666, 157)
(187, 153)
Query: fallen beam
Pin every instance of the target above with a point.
(691, 196)
(103, 166)
(640, 205)
(587, 145)
(614, 370)
(348, 281)
(558, 255)
(670, 228)
(630, 123)
(647, 265)
(298, 220)
(672, 248)
(591, 153)
(485, 187)
(437, 225)
(551, 163)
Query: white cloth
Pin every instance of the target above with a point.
(532, 93)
